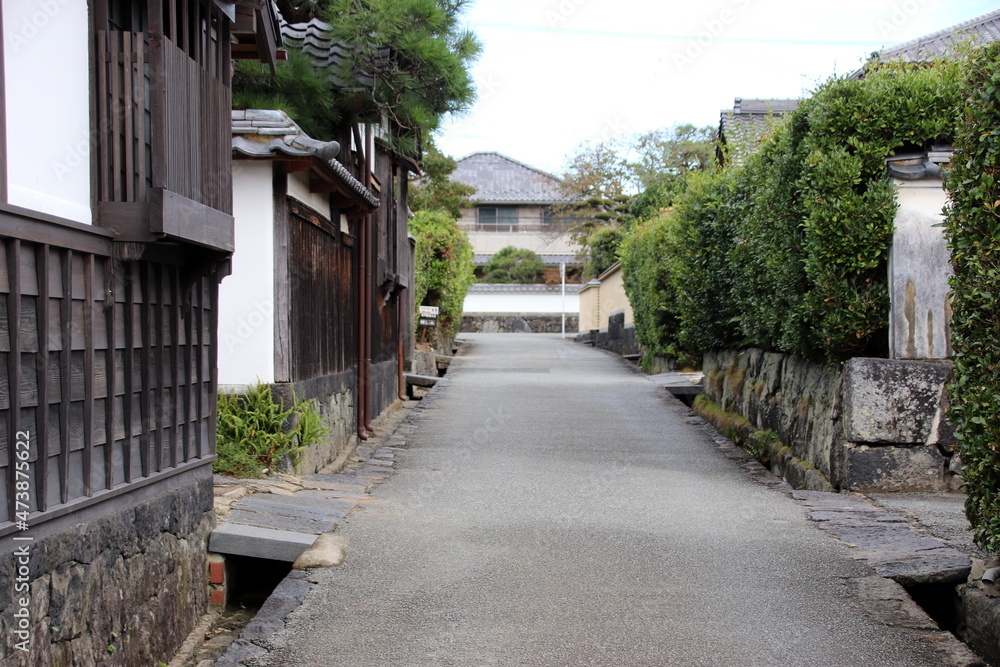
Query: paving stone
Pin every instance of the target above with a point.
(259, 542)
(279, 522)
(307, 507)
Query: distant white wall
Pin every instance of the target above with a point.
(298, 188)
(521, 303)
(47, 76)
(246, 298)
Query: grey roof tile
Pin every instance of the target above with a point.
(499, 179)
(981, 30)
(281, 136)
(503, 288)
(315, 41)
(750, 122)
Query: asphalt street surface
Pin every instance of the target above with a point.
(554, 508)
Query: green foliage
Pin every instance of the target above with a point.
(514, 265)
(255, 433)
(602, 249)
(973, 232)
(409, 59)
(648, 271)
(443, 266)
(297, 88)
(789, 252)
(434, 190)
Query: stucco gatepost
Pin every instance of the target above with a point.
(919, 269)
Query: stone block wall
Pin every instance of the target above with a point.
(518, 323)
(870, 424)
(123, 589)
(335, 400)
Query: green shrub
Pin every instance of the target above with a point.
(789, 252)
(973, 232)
(255, 433)
(514, 265)
(444, 269)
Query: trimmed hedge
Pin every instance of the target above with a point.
(973, 232)
(789, 252)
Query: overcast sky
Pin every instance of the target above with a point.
(556, 73)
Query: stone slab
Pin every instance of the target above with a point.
(876, 390)
(302, 503)
(280, 522)
(290, 511)
(257, 542)
(420, 380)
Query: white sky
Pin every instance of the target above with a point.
(556, 73)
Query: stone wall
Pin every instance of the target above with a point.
(517, 323)
(123, 589)
(871, 424)
(335, 400)
(618, 337)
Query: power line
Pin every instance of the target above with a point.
(582, 32)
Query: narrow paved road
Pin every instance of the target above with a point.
(554, 509)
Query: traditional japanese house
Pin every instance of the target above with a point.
(116, 223)
(316, 246)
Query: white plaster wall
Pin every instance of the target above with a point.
(521, 303)
(246, 298)
(46, 58)
(919, 268)
(298, 187)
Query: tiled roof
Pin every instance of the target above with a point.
(550, 260)
(499, 179)
(314, 40)
(982, 30)
(749, 123)
(267, 133)
(503, 288)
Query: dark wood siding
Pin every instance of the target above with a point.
(323, 308)
(107, 365)
(161, 104)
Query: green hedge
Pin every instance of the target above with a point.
(973, 231)
(789, 251)
(444, 269)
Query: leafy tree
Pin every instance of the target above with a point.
(434, 190)
(409, 59)
(602, 248)
(406, 61)
(671, 152)
(514, 265)
(443, 267)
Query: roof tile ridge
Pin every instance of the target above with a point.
(944, 32)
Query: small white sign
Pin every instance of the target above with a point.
(429, 311)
